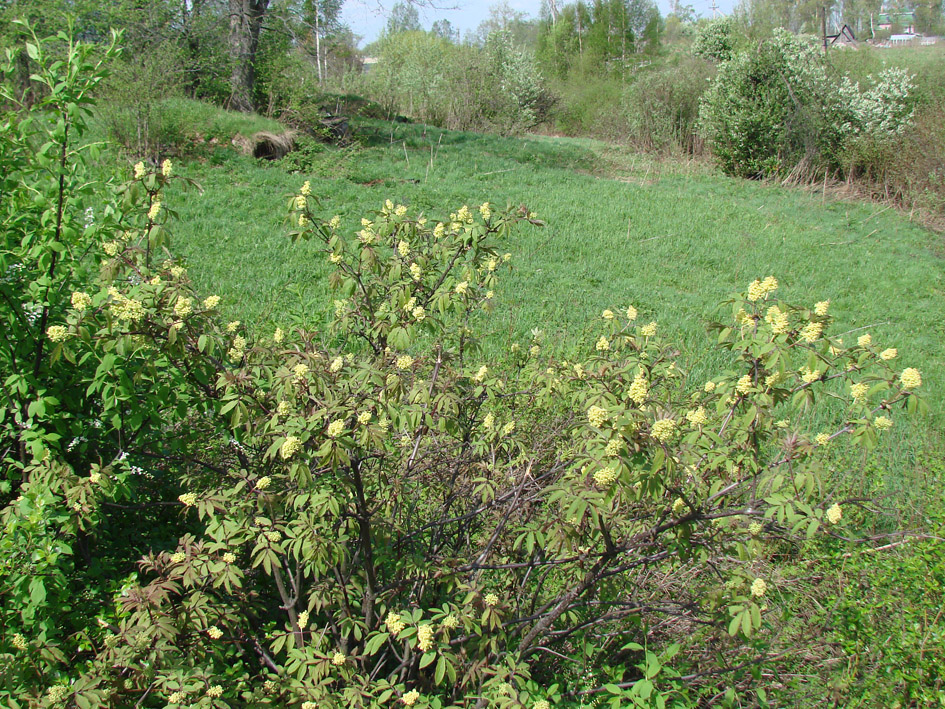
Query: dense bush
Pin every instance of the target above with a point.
(776, 110)
(662, 106)
(433, 80)
(716, 39)
(198, 515)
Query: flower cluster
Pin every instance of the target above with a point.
(761, 289)
(394, 623)
(291, 446)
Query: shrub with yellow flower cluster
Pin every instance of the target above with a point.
(506, 506)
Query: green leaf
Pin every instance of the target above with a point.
(427, 658)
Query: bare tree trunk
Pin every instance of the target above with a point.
(246, 18)
(318, 43)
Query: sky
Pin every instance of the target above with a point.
(367, 18)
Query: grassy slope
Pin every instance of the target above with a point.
(693, 238)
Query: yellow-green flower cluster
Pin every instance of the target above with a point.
(639, 389)
(183, 307)
(57, 693)
(211, 302)
(834, 514)
(450, 622)
(605, 477)
(910, 378)
(648, 330)
(608, 314)
(664, 429)
(410, 698)
(491, 600)
(812, 331)
(236, 352)
(597, 416)
(300, 372)
(419, 313)
(167, 167)
(57, 333)
(154, 210)
(631, 313)
(744, 385)
(882, 423)
(759, 289)
(178, 557)
(289, 447)
(338, 659)
(336, 364)
(19, 642)
(416, 273)
(777, 319)
(759, 587)
(603, 344)
(461, 287)
(81, 301)
(188, 499)
(809, 376)
(263, 482)
(139, 170)
(303, 620)
(125, 308)
(335, 428)
(425, 638)
(859, 390)
(820, 309)
(679, 506)
(865, 340)
(507, 428)
(612, 450)
(215, 691)
(229, 557)
(404, 362)
(485, 210)
(481, 374)
(888, 354)
(822, 439)
(214, 632)
(394, 623)
(697, 417)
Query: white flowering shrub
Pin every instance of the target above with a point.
(518, 97)
(776, 109)
(378, 516)
(716, 39)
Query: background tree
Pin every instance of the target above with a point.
(404, 17)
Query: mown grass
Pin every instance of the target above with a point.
(619, 230)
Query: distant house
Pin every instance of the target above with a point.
(902, 39)
(367, 63)
(902, 21)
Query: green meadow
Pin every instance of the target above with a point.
(672, 239)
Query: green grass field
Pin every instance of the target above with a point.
(672, 240)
